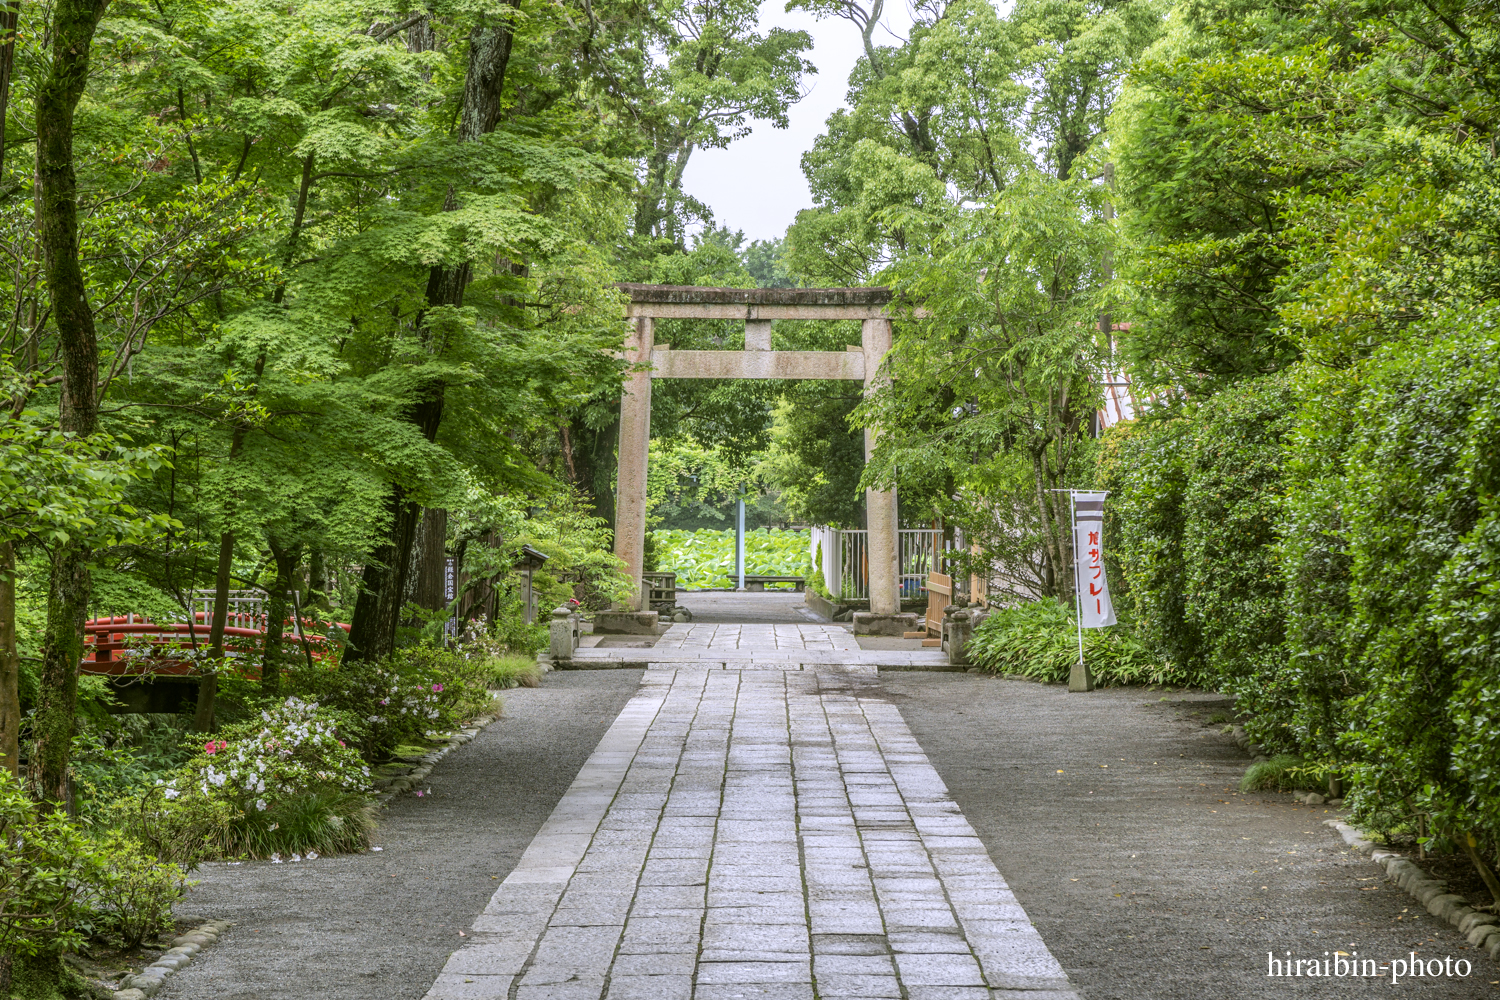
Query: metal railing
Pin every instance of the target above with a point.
(846, 559)
(921, 552)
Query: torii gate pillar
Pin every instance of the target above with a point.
(880, 505)
(635, 446)
(757, 307)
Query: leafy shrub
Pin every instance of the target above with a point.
(1144, 466)
(57, 883)
(703, 559)
(509, 631)
(132, 895)
(1193, 514)
(46, 865)
(1039, 639)
(1234, 598)
(1354, 618)
(380, 705)
(291, 749)
(1419, 524)
(500, 644)
(185, 830)
(123, 756)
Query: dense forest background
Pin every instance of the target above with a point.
(308, 298)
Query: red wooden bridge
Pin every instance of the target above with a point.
(130, 644)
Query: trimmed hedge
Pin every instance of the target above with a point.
(1325, 545)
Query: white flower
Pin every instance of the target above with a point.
(275, 859)
(171, 793)
(260, 803)
(312, 855)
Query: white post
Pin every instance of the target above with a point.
(739, 541)
(1079, 678)
(1077, 588)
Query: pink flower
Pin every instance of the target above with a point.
(210, 747)
(341, 743)
(437, 687)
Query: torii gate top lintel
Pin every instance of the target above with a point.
(756, 307)
(700, 302)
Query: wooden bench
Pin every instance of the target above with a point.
(939, 596)
(757, 584)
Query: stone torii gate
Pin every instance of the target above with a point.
(757, 307)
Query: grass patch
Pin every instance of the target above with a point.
(1284, 773)
(314, 821)
(1039, 640)
(505, 672)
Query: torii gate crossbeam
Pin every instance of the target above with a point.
(757, 307)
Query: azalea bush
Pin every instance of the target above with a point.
(292, 748)
(414, 691)
(705, 559)
(293, 783)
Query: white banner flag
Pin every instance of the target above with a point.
(1088, 549)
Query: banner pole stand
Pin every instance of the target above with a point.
(1079, 678)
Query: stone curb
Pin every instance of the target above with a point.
(419, 770)
(184, 947)
(1243, 741)
(1481, 929)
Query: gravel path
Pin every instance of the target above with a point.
(379, 926)
(1152, 878)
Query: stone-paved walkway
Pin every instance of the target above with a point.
(757, 638)
(757, 833)
(783, 646)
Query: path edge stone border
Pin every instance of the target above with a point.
(1482, 930)
(184, 947)
(423, 767)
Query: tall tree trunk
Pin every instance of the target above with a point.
(57, 96)
(208, 684)
(595, 464)
(10, 663)
(377, 612)
(429, 557)
(276, 609)
(317, 581)
(10, 13)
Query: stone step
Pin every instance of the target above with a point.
(741, 657)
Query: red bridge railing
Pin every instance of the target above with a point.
(130, 644)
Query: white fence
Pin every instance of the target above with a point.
(845, 559)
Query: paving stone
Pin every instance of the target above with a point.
(862, 987)
(731, 973)
(650, 987)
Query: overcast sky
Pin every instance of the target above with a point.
(756, 184)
